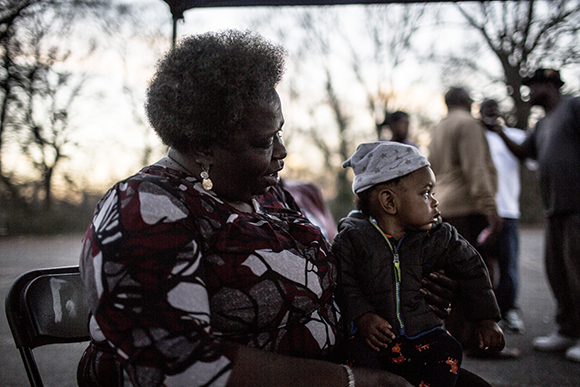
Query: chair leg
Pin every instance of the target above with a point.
(31, 367)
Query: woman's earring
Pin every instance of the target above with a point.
(206, 182)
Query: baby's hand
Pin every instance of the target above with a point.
(490, 335)
(375, 330)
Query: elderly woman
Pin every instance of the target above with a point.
(200, 270)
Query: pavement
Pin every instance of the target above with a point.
(531, 369)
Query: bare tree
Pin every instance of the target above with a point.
(147, 31)
(326, 48)
(391, 30)
(33, 109)
(522, 36)
(519, 36)
(47, 138)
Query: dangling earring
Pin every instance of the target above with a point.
(206, 182)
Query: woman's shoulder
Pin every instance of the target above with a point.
(150, 185)
(151, 195)
(153, 175)
(161, 194)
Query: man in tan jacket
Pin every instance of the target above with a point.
(466, 187)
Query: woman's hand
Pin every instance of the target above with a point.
(439, 292)
(375, 330)
(490, 336)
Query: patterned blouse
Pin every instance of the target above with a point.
(177, 279)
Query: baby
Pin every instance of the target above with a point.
(384, 249)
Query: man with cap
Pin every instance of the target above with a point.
(555, 144)
(466, 189)
(384, 249)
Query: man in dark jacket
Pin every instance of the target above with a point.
(555, 145)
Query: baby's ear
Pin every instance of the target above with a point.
(387, 201)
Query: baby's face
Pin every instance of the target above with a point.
(417, 209)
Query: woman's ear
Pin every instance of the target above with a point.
(387, 201)
(204, 158)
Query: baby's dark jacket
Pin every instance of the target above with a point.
(366, 279)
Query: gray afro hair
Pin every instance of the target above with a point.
(204, 86)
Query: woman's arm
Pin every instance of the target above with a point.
(255, 368)
(141, 266)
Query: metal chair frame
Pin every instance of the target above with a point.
(43, 307)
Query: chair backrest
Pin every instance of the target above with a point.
(46, 306)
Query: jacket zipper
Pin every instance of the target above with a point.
(397, 270)
(397, 266)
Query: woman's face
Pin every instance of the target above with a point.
(249, 165)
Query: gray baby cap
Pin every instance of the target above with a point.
(381, 161)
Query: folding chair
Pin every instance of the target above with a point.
(46, 306)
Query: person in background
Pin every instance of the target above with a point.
(467, 185)
(398, 123)
(310, 200)
(555, 144)
(508, 207)
(385, 249)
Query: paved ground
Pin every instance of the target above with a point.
(17, 255)
(532, 369)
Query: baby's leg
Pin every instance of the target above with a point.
(442, 356)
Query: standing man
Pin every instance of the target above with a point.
(398, 123)
(508, 208)
(466, 188)
(555, 144)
